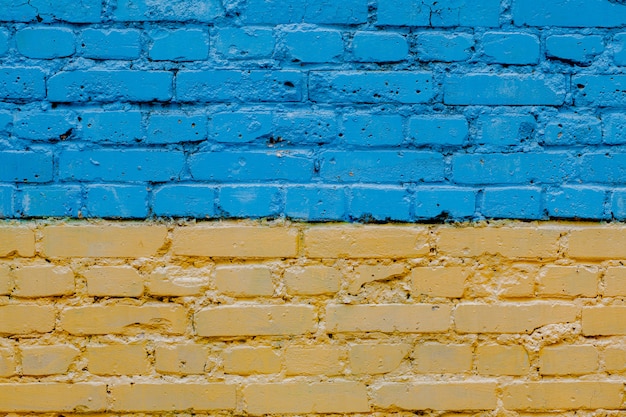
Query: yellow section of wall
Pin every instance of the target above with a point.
(277, 318)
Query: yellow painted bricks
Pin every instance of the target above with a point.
(278, 318)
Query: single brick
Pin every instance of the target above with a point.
(388, 318)
(6, 280)
(43, 281)
(112, 126)
(302, 127)
(256, 320)
(444, 202)
(570, 395)
(597, 243)
(442, 358)
(614, 359)
(602, 167)
(614, 128)
(502, 360)
(614, 281)
(512, 168)
(379, 358)
(113, 165)
(94, 241)
(25, 166)
(518, 281)
(568, 360)
(511, 318)
(124, 319)
(505, 130)
(117, 201)
(247, 360)
(314, 203)
(26, 318)
(242, 127)
(364, 129)
(251, 166)
(371, 87)
(175, 11)
(511, 242)
(244, 43)
(449, 396)
(506, 89)
(445, 47)
(244, 281)
(312, 280)
(235, 241)
(8, 363)
(439, 281)
(118, 359)
(4, 42)
(17, 240)
(435, 13)
(184, 200)
(160, 396)
(110, 86)
(619, 49)
(51, 200)
(576, 202)
(49, 126)
(604, 321)
(45, 42)
(568, 281)
(176, 128)
(599, 90)
(250, 201)
(365, 242)
(388, 203)
(184, 359)
(512, 203)
(174, 281)
(20, 83)
(315, 360)
(569, 130)
(46, 397)
(569, 13)
(51, 10)
(313, 46)
(47, 360)
(240, 86)
(379, 46)
(179, 45)
(306, 397)
(575, 48)
(113, 281)
(110, 43)
(364, 274)
(510, 48)
(382, 166)
(437, 130)
(7, 206)
(325, 12)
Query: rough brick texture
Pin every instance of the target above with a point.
(360, 111)
(311, 319)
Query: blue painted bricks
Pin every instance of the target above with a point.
(360, 110)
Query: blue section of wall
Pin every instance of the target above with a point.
(360, 110)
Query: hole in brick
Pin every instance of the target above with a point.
(289, 84)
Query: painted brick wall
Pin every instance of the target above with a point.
(403, 110)
(243, 318)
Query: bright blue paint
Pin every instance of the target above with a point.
(184, 201)
(359, 110)
(576, 202)
(110, 44)
(250, 201)
(512, 203)
(117, 201)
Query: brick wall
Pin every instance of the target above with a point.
(255, 319)
(405, 110)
